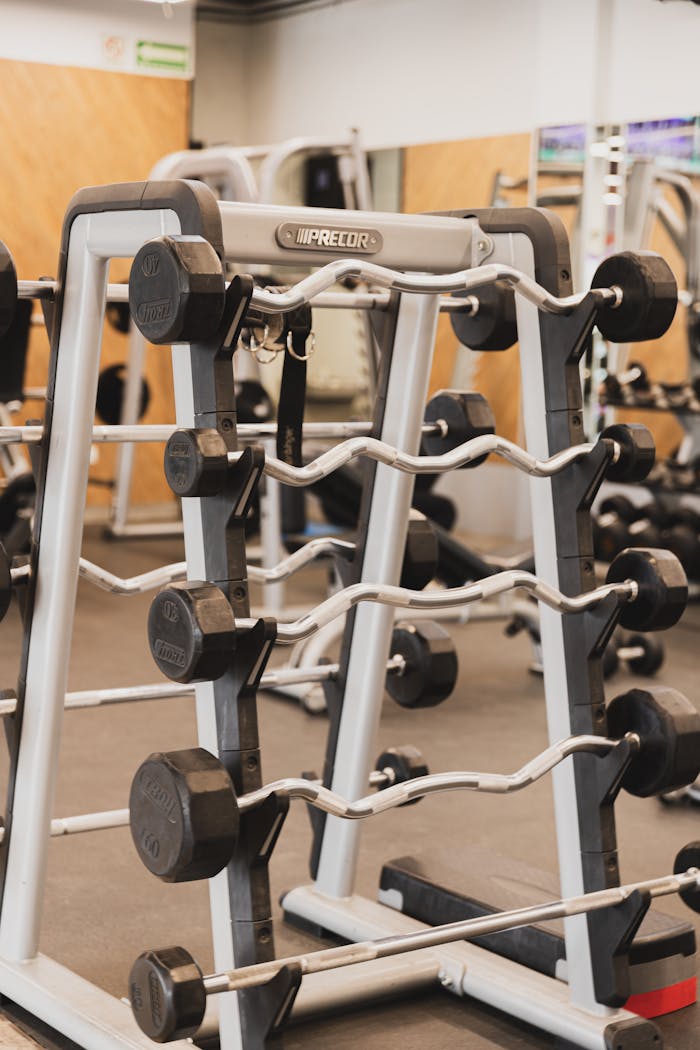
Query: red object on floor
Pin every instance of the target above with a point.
(664, 1000)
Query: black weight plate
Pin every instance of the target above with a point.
(8, 289)
(662, 588)
(110, 395)
(649, 296)
(493, 326)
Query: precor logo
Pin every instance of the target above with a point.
(349, 240)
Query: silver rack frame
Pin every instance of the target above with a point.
(411, 243)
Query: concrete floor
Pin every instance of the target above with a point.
(102, 908)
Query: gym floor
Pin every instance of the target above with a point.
(102, 908)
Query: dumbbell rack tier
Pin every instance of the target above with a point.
(111, 222)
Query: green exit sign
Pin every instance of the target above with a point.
(151, 55)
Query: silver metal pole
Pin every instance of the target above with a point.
(93, 239)
(578, 949)
(391, 501)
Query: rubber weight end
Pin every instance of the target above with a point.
(167, 995)
(177, 290)
(196, 462)
(191, 632)
(183, 815)
(689, 857)
(494, 325)
(466, 414)
(662, 588)
(8, 289)
(637, 452)
(649, 297)
(669, 730)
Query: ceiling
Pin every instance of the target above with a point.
(256, 10)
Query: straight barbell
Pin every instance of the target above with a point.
(168, 990)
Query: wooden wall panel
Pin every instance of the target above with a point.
(447, 175)
(665, 359)
(61, 129)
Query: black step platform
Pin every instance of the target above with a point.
(444, 889)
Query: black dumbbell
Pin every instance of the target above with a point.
(8, 289)
(5, 583)
(119, 316)
(110, 395)
(621, 524)
(689, 857)
(185, 817)
(466, 415)
(662, 588)
(649, 297)
(631, 387)
(668, 726)
(642, 653)
(683, 538)
(493, 326)
(420, 554)
(253, 403)
(177, 290)
(17, 500)
(430, 664)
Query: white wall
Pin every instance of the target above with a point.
(404, 71)
(407, 71)
(99, 34)
(221, 92)
(654, 63)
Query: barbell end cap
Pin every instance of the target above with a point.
(196, 462)
(689, 857)
(167, 994)
(637, 452)
(662, 588)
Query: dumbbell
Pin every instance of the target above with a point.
(430, 664)
(17, 499)
(462, 416)
(8, 289)
(642, 653)
(253, 403)
(118, 315)
(185, 816)
(621, 523)
(5, 583)
(110, 393)
(683, 538)
(633, 387)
